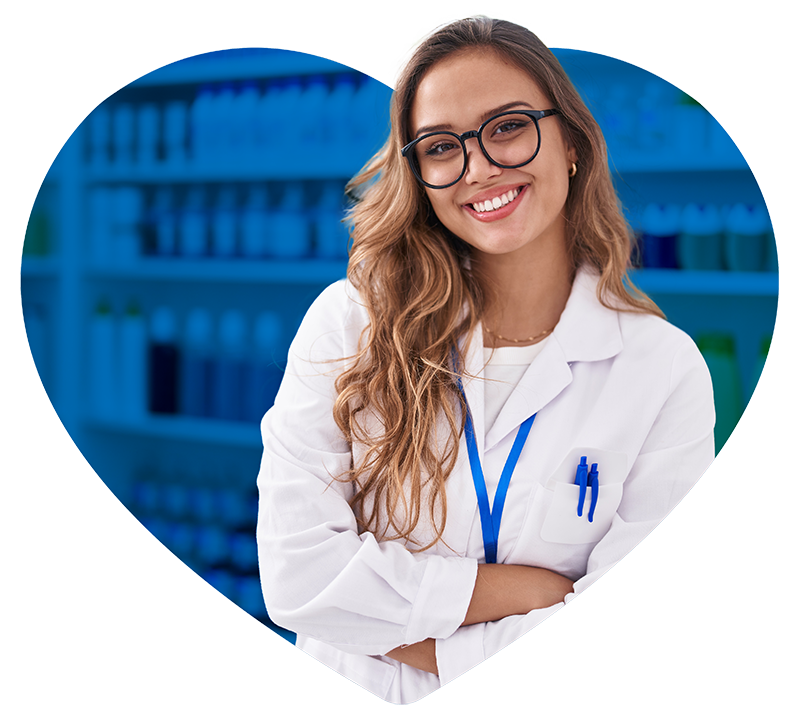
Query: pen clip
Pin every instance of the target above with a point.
(594, 482)
(581, 478)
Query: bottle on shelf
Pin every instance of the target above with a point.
(699, 244)
(192, 227)
(163, 363)
(128, 212)
(338, 136)
(222, 139)
(746, 235)
(289, 230)
(202, 125)
(331, 231)
(760, 363)
(262, 372)
(254, 220)
(123, 133)
(224, 224)
(103, 361)
(653, 121)
(312, 122)
(196, 365)
(228, 368)
(36, 330)
(165, 223)
(100, 223)
(147, 131)
(176, 119)
(242, 124)
(133, 364)
(99, 136)
(689, 127)
(660, 229)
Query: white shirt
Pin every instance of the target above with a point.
(627, 390)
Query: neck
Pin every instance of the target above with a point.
(526, 295)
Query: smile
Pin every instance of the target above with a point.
(495, 208)
(491, 205)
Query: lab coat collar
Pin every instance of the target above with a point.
(586, 331)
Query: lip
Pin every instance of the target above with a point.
(501, 212)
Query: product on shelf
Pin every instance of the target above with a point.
(164, 357)
(289, 234)
(224, 224)
(176, 119)
(254, 223)
(102, 374)
(228, 368)
(164, 220)
(122, 135)
(147, 134)
(699, 244)
(331, 232)
(192, 225)
(660, 228)
(196, 365)
(262, 373)
(747, 235)
(132, 365)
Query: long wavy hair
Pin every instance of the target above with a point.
(398, 401)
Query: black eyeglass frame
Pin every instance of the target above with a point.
(535, 115)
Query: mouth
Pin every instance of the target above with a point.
(498, 206)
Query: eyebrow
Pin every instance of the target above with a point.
(485, 116)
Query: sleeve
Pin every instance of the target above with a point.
(320, 577)
(677, 451)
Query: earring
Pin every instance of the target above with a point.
(573, 170)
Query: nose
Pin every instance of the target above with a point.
(479, 168)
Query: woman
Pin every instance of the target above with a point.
(485, 330)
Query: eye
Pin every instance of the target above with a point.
(440, 148)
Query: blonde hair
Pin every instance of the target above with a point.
(422, 295)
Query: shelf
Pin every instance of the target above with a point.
(274, 165)
(631, 162)
(227, 433)
(705, 283)
(39, 267)
(238, 270)
(317, 271)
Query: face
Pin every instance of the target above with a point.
(458, 94)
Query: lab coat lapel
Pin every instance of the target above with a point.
(586, 331)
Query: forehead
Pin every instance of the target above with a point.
(459, 90)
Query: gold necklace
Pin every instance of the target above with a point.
(519, 341)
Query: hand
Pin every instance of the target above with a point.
(421, 655)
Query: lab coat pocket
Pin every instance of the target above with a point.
(562, 524)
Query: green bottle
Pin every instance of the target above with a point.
(720, 356)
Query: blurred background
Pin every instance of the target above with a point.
(188, 223)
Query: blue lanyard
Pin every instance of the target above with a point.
(490, 519)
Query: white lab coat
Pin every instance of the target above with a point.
(629, 391)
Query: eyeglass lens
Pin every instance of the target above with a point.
(512, 139)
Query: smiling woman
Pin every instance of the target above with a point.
(485, 331)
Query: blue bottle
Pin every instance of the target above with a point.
(289, 226)
(228, 368)
(263, 372)
(660, 229)
(163, 363)
(196, 379)
(700, 241)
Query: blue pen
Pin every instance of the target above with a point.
(581, 479)
(594, 482)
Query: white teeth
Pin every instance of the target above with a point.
(491, 204)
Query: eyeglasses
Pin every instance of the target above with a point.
(508, 140)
